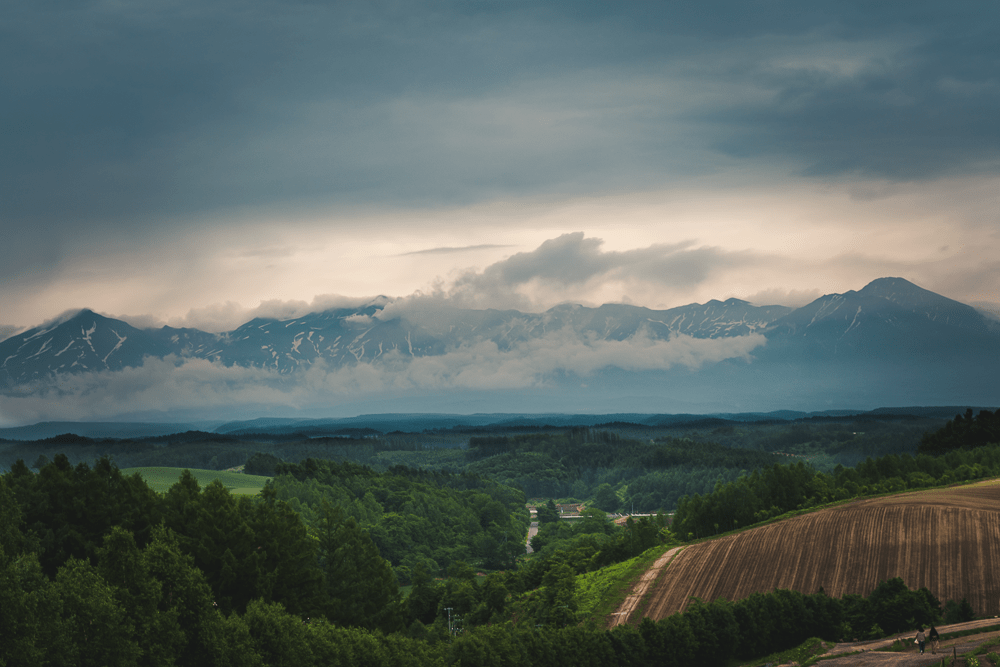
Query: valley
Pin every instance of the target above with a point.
(845, 526)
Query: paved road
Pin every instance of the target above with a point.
(532, 531)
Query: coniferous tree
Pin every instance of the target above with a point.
(547, 513)
(186, 596)
(422, 602)
(359, 584)
(97, 628)
(157, 631)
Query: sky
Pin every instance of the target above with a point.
(200, 162)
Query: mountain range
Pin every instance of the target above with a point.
(890, 334)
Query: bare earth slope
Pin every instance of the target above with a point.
(945, 539)
(627, 608)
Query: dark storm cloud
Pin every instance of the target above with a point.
(926, 111)
(119, 116)
(174, 107)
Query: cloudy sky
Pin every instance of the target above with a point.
(188, 162)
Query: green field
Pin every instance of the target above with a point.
(161, 479)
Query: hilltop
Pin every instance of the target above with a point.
(945, 539)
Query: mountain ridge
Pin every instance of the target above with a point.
(889, 343)
(421, 422)
(354, 335)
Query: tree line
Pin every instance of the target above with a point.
(770, 492)
(962, 432)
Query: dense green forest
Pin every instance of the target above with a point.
(579, 461)
(166, 598)
(429, 519)
(617, 469)
(963, 432)
(648, 468)
(97, 569)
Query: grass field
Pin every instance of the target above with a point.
(161, 479)
(601, 592)
(946, 539)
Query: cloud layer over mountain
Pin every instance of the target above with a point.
(173, 384)
(889, 343)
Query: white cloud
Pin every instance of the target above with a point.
(359, 318)
(220, 317)
(59, 319)
(572, 267)
(777, 296)
(987, 308)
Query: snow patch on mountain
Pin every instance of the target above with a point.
(362, 351)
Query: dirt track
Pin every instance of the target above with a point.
(862, 654)
(631, 603)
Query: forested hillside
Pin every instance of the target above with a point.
(309, 571)
(224, 582)
(647, 467)
(416, 518)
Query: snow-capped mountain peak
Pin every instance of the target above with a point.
(888, 314)
(82, 342)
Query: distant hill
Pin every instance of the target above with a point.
(889, 318)
(416, 423)
(121, 430)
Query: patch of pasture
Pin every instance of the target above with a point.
(161, 479)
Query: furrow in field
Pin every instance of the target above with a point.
(947, 540)
(631, 602)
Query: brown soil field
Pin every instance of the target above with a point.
(627, 608)
(945, 539)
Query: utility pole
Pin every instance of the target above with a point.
(450, 634)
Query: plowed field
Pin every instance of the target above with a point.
(945, 539)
